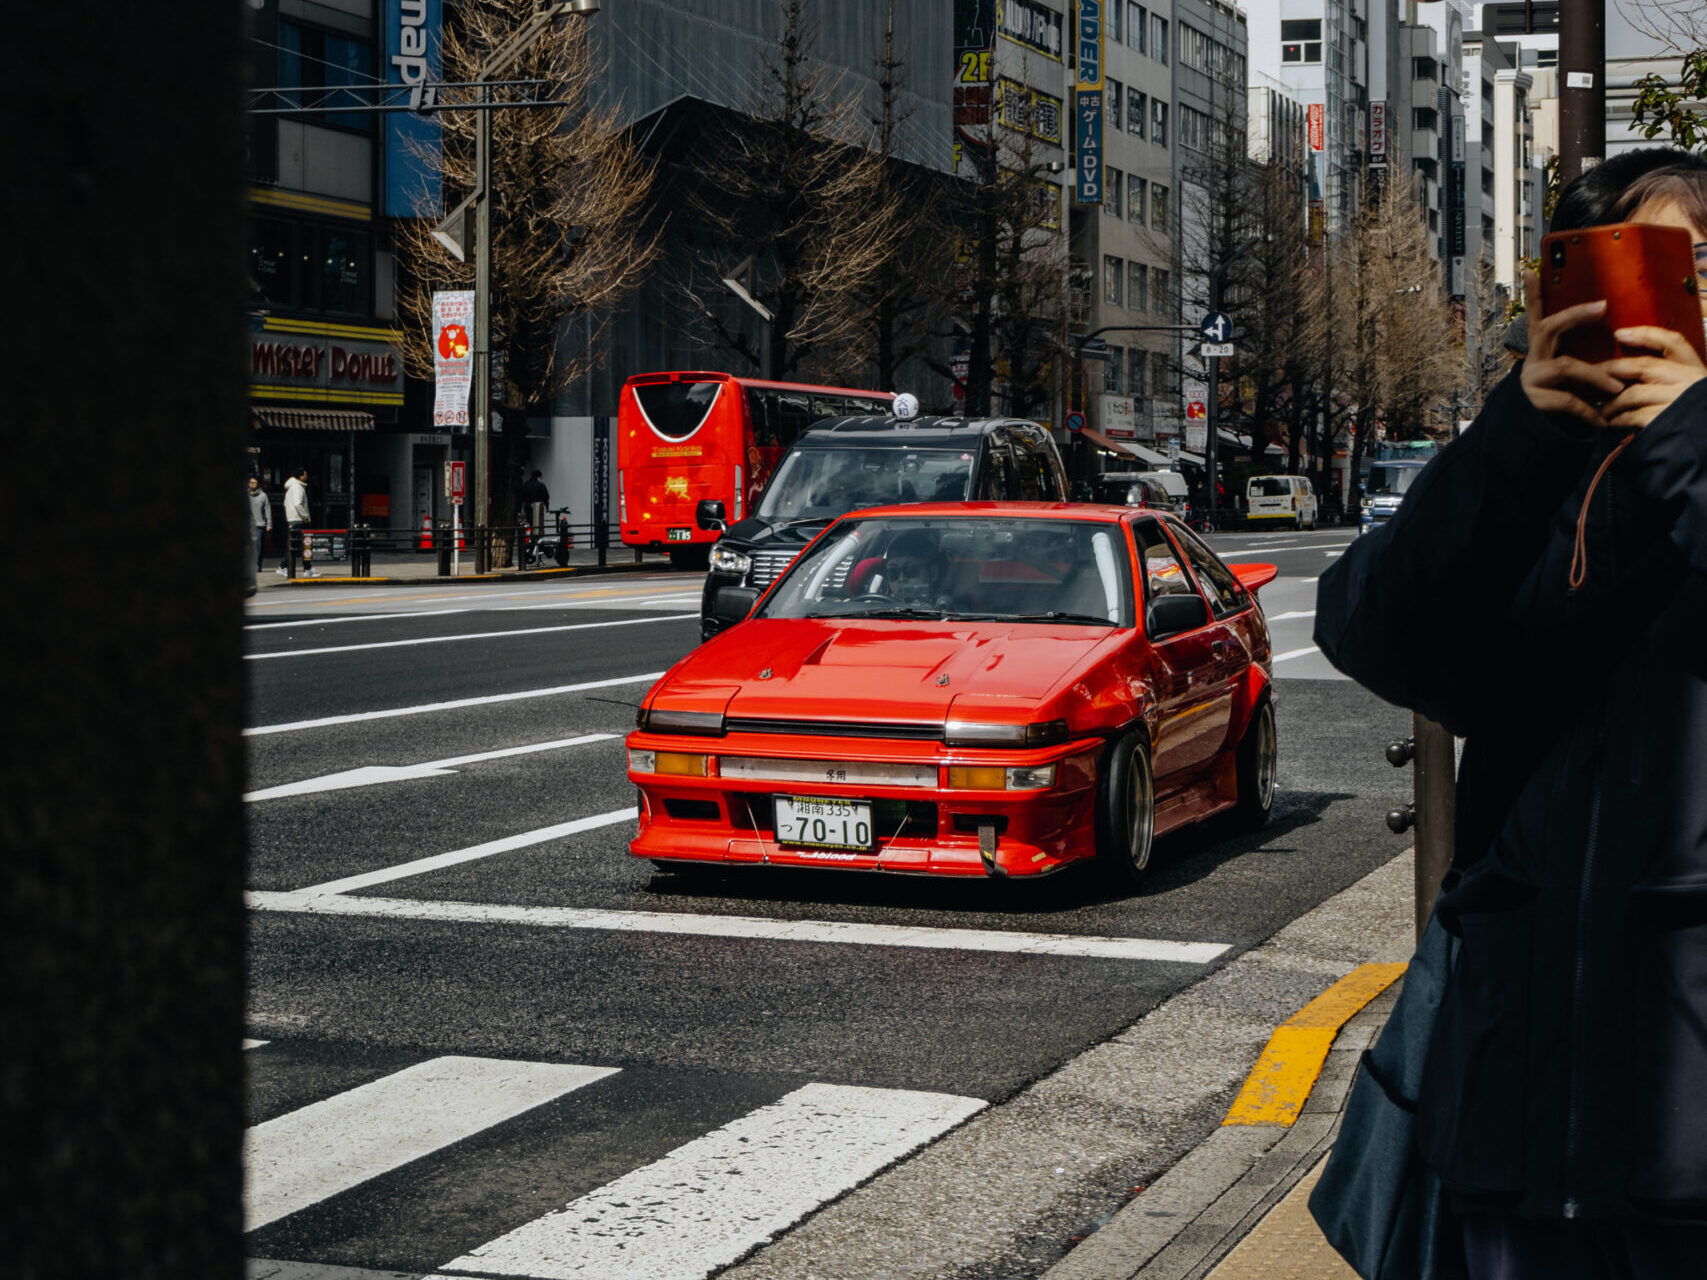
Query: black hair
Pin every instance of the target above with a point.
(1592, 197)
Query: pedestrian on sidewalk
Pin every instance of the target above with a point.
(260, 519)
(296, 516)
(1542, 592)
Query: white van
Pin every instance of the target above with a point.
(1278, 498)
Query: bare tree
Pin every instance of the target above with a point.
(1661, 106)
(1011, 260)
(569, 193)
(795, 201)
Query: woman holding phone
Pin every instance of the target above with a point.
(1542, 593)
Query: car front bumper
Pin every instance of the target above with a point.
(921, 829)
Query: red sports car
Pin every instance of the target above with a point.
(974, 689)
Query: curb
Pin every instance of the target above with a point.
(433, 580)
(1196, 1214)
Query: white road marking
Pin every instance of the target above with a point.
(707, 1203)
(375, 773)
(328, 899)
(668, 597)
(1332, 554)
(472, 635)
(255, 1044)
(1294, 653)
(355, 617)
(302, 1158)
(1296, 613)
(1306, 579)
(455, 704)
(421, 866)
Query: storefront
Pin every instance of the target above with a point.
(316, 389)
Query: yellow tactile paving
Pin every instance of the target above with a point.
(1286, 1245)
(1279, 1085)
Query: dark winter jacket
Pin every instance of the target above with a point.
(1567, 1074)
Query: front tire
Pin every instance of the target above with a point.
(1258, 760)
(1126, 810)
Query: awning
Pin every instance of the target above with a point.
(1113, 446)
(312, 419)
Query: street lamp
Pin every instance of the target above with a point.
(499, 60)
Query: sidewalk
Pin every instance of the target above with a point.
(1235, 1207)
(421, 569)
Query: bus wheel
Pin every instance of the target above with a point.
(697, 558)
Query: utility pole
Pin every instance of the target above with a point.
(1582, 86)
(492, 69)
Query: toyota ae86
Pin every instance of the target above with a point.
(966, 689)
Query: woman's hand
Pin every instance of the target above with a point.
(1556, 383)
(1652, 382)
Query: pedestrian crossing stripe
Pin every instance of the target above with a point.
(695, 1210)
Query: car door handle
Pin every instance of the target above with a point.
(1218, 648)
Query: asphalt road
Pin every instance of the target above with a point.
(444, 910)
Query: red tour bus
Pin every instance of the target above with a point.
(684, 437)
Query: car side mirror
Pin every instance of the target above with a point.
(709, 514)
(1171, 614)
(733, 604)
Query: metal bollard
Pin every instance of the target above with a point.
(1431, 810)
(442, 541)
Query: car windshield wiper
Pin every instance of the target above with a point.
(1055, 615)
(908, 611)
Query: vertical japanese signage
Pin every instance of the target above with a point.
(1316, 127)
(1377, 134)
(453, 356)
(411, 58)
(974, 50)
(1087, 104)
(601, 482)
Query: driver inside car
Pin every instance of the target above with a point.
(912, 570)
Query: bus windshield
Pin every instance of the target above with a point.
(825, 483)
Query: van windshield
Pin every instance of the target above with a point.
(825, 483)
(1393, 480)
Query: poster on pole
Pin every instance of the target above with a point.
(453, 356)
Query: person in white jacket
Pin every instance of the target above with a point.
(296, 516)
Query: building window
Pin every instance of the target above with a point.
(1113, 276)
(1137, 286)
(1159, 38)
(1136, 105)
(1158, 209)
(1135, 380)
(1301, 40)
(1137, 26)
(1112, 94)
(313, 59)
(307, 266)
(1425, 69)
(1159, 122)
(1162, 292)
(1137, 198)
(346, 258)
(1197, 50)
(1159, 378)
(1114, 182)
(1113, 16)
(1194, 128)
(1111, 370)
(1425, 118)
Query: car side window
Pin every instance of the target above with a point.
(996, 484)
(1163, 573)
(1225, 594)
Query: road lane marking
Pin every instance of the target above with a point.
(420, 866)
(1295, 653)
(355, 617)
(455, 704)
(329, 899)
(1306, 579)
(708, 1202)
(1279, 1085)
(301, 1158)
(369, 775)
(472, 635)
(1296, 613)
(255, 1044)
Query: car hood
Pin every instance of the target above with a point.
(754, 533)
(879, 670)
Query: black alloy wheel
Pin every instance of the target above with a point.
(1126, 810)
(1258, 762)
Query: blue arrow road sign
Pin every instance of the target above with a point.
(1217, 326)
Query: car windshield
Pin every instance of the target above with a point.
(985, 568)
(822, 484)
(1127, 491)
(1393, 480)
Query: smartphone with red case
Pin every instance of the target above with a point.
(1646, 273)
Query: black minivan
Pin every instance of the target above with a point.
(848, 463)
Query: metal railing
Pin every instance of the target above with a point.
(487, 547)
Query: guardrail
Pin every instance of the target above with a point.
(488, 546)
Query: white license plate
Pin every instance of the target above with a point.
(681, 535)
(820, 822)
